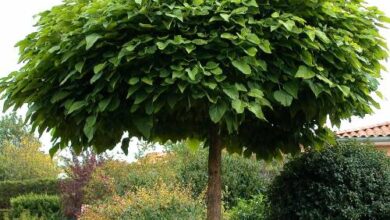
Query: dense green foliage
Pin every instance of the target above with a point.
(268, 72)
(10, 189)
(250, 209)
(40, 205)
(153, 203)
(348, 181)
(241, 178)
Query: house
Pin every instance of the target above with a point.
(378, 134)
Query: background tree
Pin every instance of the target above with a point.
(78, 169)
(12, 130)
(26, 161)
(252, 76)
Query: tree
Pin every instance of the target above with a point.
(12, 130)
(251, 76)
(79, 170)
(26, 161)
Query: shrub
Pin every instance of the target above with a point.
(158, 202)
(346, 181)
(47, 206)
(251, 209)
(241, 177)
(9, 189)
(99, 187)
(72, 189)
(116, 177)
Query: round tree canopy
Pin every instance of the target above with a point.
(267, 73)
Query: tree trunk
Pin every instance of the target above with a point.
(214, 194)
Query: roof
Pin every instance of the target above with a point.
(378, 130)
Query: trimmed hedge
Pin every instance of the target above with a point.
(47, 206)
(347, 181)
(10, 189)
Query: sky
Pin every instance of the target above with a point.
(17, 20)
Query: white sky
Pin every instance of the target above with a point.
(16, 21)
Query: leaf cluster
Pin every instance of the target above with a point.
(268, 73)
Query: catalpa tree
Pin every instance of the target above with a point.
(251, 76)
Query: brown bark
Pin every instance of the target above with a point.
(214, 194)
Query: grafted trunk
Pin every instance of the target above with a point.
(214, 194)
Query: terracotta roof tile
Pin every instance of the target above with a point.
(378, 130)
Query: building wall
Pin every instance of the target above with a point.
(384, 147)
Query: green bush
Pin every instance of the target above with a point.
(9, 189)
(346, 181)
(251, 209)
(40, 205)
(241, 177)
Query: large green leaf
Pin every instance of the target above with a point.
(91, 40)
(217, 111)
(231, 91)
(256, 109)
(242, 66)
(76, 106)
(304, 72)
(283, 97)
(89, 127)
(144, 125)
(292, 88)
(238, 106)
